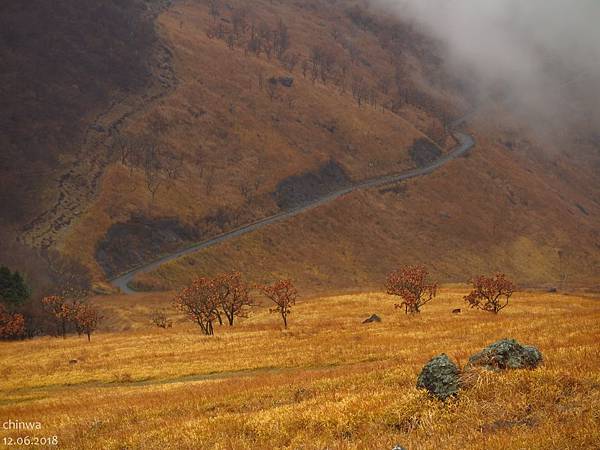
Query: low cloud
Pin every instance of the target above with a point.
(536, 52)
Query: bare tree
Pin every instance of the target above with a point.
(239, 23)
(290, 61)
(209, 180)
(305, 67)
(359, 90)
(272, 88)
(233, 295)
(265, 36)
(153, 169)
(283, 294)
(214, 9)
(281, 39)
(323, 62)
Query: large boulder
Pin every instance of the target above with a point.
(440, 376)
(506, 354)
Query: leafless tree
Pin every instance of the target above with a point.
(305, 67)
(359, 90)
(281, 39)
(239, 23)
(265, 37)
(153, 169)
(272, 88)
(290, 61)
(214, 9)
(323, 62)
(209, 180)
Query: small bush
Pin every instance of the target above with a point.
(490, 293)
(411, 284)
(160, 319)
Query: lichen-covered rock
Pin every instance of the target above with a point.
(506, 354)
(440, 376)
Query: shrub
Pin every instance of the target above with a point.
(160, 319)
(13, 290)
(490, 293)
(411, 284)
(233, 295)
(86, 319)
(283, 294)
(12, 326)
(199, 303)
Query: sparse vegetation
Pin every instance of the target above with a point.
(233, 295)
(412, 285)
(159, 318)
(327, 382)
(12, 325)
(13, 289)
(283, 294)
(490, 293)
(199, 303)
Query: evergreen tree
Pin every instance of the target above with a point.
(13, 289)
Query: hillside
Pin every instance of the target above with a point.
(198, 132)
(326, 382)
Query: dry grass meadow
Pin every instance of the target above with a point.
(328, 382)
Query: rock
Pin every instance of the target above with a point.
(286, 81)
(456, 311)
(97, 127)
(373, 318)
(440, 377)
(398, 447)
(506, 354)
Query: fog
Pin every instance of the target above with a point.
(538, 53)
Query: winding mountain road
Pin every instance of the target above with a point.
(465, 143)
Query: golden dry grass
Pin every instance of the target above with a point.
(327, 382)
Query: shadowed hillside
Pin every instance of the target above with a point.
(62, 62)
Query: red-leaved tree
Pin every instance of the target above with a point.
(199, 303)
(490, 293)
(86, 319)
(12, 326)
(283, 294)
(61, 310)
(233, 295)
(412, 285)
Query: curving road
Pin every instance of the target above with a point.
(465, 143)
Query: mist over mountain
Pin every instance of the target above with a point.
(534, 55)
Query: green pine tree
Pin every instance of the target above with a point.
(13, 288)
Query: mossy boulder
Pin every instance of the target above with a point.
(440, 376)
(506, 354)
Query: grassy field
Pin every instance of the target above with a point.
(326, 382)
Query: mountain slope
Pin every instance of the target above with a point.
(219, 136)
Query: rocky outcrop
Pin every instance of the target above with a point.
(440, 377)
(506, 354)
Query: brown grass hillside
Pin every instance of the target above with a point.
(238, 143)
(540, 227)
(327, 382)
(513, 204)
